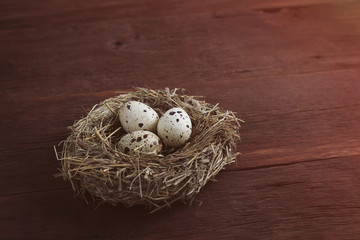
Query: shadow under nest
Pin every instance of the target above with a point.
(92, 163)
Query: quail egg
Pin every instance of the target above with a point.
(140, 143)
(174, 127)
(137, 116)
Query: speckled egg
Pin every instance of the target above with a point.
(174, 127)
(140, 143)
(138, 116)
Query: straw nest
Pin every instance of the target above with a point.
(92, 163)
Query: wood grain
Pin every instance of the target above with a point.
(289, 69)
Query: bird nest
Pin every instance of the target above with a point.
(92, 163)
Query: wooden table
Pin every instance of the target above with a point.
(290, 69)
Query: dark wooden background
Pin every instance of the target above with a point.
(290, 69)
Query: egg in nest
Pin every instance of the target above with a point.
(140, 143)
(135, 116)
(174, 127)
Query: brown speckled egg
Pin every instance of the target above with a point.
(138, 116)
(140, 143)
(174, 127)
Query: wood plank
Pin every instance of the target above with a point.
(232, 44)
(302, 201)
(25, 14)
(316, 119)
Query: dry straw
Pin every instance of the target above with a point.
(92, 163)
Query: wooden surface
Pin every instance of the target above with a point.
(290, 69)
